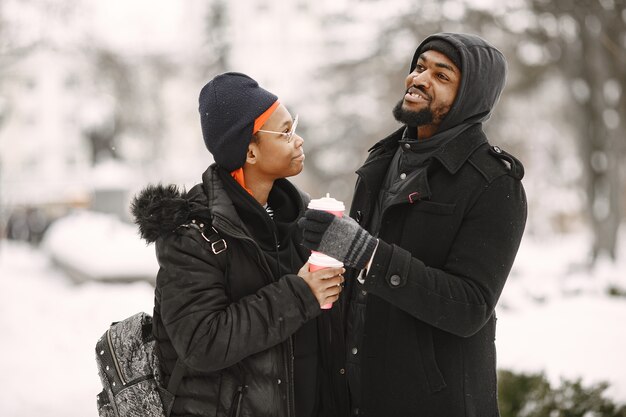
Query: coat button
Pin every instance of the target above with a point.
(395, 280)
(402, 176)
(359, 216)
(497, 149)
(407, 146)
(342, 371)
(279, 381)
(355, 351)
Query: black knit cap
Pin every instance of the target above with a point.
(229, 105)
(442, 46)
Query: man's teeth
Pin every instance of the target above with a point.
(417, 94)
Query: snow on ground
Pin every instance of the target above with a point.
(579, 336)
(554, 316)
(49, 327)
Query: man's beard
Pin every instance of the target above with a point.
(413, 118)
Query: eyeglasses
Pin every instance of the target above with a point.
(288, 135)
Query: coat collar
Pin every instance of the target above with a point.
(223, 209)
(455, 152)
(452, 155)
(389, 143)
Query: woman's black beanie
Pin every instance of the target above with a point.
(229, 104)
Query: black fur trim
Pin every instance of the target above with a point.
(159, 210)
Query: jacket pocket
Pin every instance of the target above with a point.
(426, 345)
(235, 407)
(442, 209)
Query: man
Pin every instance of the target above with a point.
(231, 311)
(448, 211)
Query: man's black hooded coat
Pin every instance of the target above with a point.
(447, 244)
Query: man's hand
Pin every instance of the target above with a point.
(325, 284)
(338, 237)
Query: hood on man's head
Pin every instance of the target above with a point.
(483, 74)
(229, 105)
(445, 48)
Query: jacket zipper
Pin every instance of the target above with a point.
(115, 362)
(236, 405)
(232, 232)
(291, 408)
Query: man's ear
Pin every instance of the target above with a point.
(251, 154)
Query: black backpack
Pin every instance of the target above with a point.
(128, 362)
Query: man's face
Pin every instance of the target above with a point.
(430, 92)
(274, 155)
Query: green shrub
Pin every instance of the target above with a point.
(531, 395)
(616, 291)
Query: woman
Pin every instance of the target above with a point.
(235, 304)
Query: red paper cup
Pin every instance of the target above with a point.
(319, 261)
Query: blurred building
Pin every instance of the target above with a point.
(43, 155)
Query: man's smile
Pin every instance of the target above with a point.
(415, 95)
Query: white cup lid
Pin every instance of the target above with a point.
(320, 259)
(327, 204)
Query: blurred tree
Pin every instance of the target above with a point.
(125, 101)
(216, 30)
(585, 41)
(11, 50)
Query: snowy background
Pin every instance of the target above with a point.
(550, 318)
(98, 98)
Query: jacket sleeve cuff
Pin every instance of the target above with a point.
(379, 263)
(390, 267)
(309, 305)
(369, 263)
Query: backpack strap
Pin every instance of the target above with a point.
(177, 376)
(212, 236)
(218, 245)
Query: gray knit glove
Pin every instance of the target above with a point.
(338, 237)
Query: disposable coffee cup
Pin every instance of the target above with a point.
(328, 204)
(319, 261)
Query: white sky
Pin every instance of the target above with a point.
(138, 26)
(142, 24)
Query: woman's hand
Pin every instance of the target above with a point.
(325, 284)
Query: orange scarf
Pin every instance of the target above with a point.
(238, 176)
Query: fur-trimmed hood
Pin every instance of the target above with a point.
(160, 209)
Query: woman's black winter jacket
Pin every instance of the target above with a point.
(225, 315)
